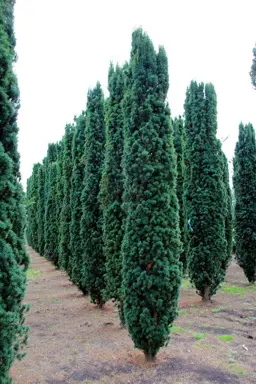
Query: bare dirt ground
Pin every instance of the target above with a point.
(71, 341)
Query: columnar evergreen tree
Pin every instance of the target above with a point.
(13, 257)
(92, 278)
(29, 201)
(60, 189)
(41, 208)
(49, 159)
(244, 181)
(34, 235)
(112, 189)
(179, 144)
(9, 106)
(51, 218)
(151, 245)
(204, 191)
(51, 245)
(65, 216)
(253, 68)
(228, 210)
(13, 333)
(76, 250)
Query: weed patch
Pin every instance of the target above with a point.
(177, 329)
(33, 274)
(236, 368)
(182, 312)
(186, 284)
(199, 336)
(216, 310)
(226, 337)
(236, 290)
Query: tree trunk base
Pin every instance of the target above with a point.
(149, 358)
(206, 297)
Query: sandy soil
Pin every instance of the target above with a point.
(71, 341)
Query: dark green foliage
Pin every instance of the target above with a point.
(13, 257)
(91, 223)
(112, 189)
(205, 192)
(51, 157)
(33, 233)
(9, 91)
(9, 105)
(51, 218)
(52, 153)
(7, 191)
(228, 210)
(65, 216)
(76, 250)
(233, 203)
(29, 201)
(244, 181)
(60, 189)
(179, 144)
(253, 68)
(17, 217)
(41, 208)
(13, 332)
(151, 246)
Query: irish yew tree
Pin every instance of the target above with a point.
(32, 209)
(13, 333)
(60, 190)
(179, 145)
(112, 189)
(41, 208)
(77, 178)
(29, 201)
(228, 210)
(51, 218)
(92, 275)
(9, 106)
(151, 245)
(205, 193)
(13, 257)
(65, 216)
(244, 181)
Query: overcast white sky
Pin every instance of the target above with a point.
(65, 46)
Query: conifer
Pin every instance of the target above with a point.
(151, 245)
(112, 189)
(77, 178)
(13, 257)
(244, 181)
(65, 216)
(204, 192)
(41, 209)
(179, 145)
(51, 218)
(93, 270)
